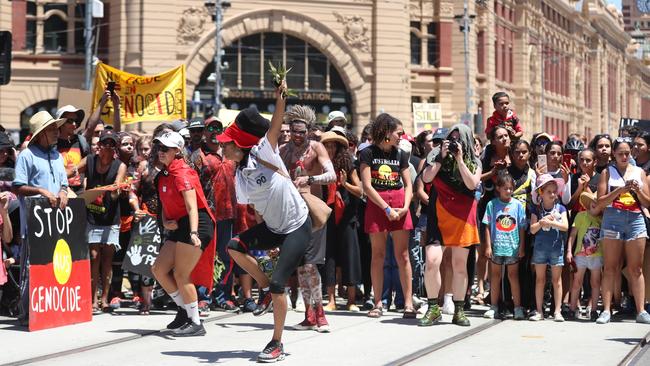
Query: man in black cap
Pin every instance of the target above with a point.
(196, 127)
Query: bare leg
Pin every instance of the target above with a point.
(378, 243)
(495, 281)
(576, 285)
(186, 257)
(249, 264)
(556, 272)
(95, 257)
(162, 268)
(513, 276)
(634, 252)
(595, 286)
(106, 270)
(279, 315)
(540, 282)
(459, 266)
(401, 249)
(612, 251)
(432, 277)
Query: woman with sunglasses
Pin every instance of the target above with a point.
(623, 192)
(602, 145)
(103, 169)
(190, 226)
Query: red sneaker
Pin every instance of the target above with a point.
(274, 351)
(323, 326)
(310, 320)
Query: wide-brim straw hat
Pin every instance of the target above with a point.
(40, 121)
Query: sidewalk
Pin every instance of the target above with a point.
(355, 339)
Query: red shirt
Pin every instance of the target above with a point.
(220, 176)
(179, 177)
(497, 120)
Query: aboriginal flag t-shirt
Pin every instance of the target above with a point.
(385, 167)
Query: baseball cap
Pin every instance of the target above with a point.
(196, 123)
(171, 139)
(440, 133)
(72, 109)
(108, 135)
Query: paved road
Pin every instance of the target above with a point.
(126, 338)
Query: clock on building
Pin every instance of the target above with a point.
(643, 6)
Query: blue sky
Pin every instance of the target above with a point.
(615, 2)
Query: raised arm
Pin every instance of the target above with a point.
(278, 116)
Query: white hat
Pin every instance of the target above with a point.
(339, 130)
(70, 108)
(363, 145)
(185, 132)
(171, 139)
(40, 121)
(334, 115)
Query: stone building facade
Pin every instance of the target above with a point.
(566, 64)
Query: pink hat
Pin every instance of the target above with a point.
(545, 179)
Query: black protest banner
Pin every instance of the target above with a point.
(143, 247)
(59, 272)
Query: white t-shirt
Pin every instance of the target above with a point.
(274, 196)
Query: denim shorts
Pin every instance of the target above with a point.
(622, 225)
(504, 260)
(589, 262)
(551, 255)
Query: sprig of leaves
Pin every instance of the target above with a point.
(279, 73)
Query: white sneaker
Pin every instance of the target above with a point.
(490, 313)
(558, 317)
(448, 305)
(604, 317)
(536, 317)
(287, 292)
(577, 314)
(300, 303)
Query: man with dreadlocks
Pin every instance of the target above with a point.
(309, 166)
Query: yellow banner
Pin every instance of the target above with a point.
(142, 98)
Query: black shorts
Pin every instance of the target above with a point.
(182, 234)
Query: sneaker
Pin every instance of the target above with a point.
(519, 313)
(115, 303)
(593, 315)
(331, 306)
(558, 317)
(431, 317)
(274, 351)
(460, 319)
(643, 317)
(448, 305)
(577, 314)
(189, 329)
(310, 321)
(180, 319)
(204, 309)
(249, 305)
(228, 306)
(604, 318)
(321, 321)
(536, 317)
(264, 305)
(368, 305)
(490, 313)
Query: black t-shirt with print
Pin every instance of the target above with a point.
(385, 167)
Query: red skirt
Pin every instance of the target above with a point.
(376, 220)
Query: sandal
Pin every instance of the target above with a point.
(96, 310)
(409, 313)
(376, 312)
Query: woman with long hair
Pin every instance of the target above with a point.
(623, 192)
(190, 224)
(342, 242)
(387, 183)
(455, 172)
(602, 145)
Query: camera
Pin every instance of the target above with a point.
(454, 146)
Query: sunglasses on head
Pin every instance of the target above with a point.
(624, 139)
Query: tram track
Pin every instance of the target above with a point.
(91, 347)
(442, 344)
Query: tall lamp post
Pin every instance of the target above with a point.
(219, 7)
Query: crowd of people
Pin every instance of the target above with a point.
(509, 223)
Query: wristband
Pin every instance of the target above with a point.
(194, 233)
(387, 210)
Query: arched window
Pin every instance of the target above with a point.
(247, 80)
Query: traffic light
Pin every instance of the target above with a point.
(5, 57)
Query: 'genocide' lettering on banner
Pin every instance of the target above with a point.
(142, 98)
